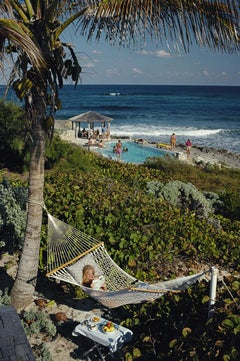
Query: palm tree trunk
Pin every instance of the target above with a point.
(24, 285)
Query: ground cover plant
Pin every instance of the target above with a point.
(152, 239)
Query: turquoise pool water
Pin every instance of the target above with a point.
(137, 153)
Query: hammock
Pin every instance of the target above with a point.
(69, 250)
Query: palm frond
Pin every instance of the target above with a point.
(210, 23)
(17, 33)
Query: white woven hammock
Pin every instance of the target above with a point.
(69, 250)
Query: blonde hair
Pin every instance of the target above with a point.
(86, 268)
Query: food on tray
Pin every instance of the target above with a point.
(108, 327)
(92, 327)
(96, 319)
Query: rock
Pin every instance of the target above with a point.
(41, 303)
(60, 317)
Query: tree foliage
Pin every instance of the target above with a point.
(177, 24)
(13, 135)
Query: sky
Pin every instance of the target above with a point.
(105, 64)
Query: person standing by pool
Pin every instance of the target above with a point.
(189, 146)
(173, 141)
(118, 149)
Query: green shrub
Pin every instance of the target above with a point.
(36, 322)
(42, 352)
(214, 179)
(12, 215)
(55, 151)
(14, 140)
(230, 207)
(184, 196)
(5, 299)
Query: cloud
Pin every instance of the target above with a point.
(157, 53)
(89, 65)
(97, 51)
(112, 71)
(162, 54)
(136, 71)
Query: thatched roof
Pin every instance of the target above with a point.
(90, 117)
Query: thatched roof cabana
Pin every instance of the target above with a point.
(91, 118)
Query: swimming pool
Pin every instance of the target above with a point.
(137, 153)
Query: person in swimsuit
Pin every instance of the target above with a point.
(118, 149)
(173, 141)
(189, 146)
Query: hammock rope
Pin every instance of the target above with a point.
(70, 249)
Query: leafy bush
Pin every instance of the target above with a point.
(230, 206)
(12, 215)
(183, 195)
(135, 225)
(13, 146)
(55, 151)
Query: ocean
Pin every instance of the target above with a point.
(208, 115)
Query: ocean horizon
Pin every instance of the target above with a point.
(208, 115)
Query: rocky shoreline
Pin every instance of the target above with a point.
(212, 156)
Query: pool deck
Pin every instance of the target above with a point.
(69, 136)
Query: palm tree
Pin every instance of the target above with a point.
(39, 69)
(30, 33)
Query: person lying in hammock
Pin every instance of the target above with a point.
(90, 280)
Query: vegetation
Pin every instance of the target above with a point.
(12, 215)
(152, 239)
(4, 297)
(130, 221)
(37, 324)
(30, 34)
(37, 321)
(12, 130)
